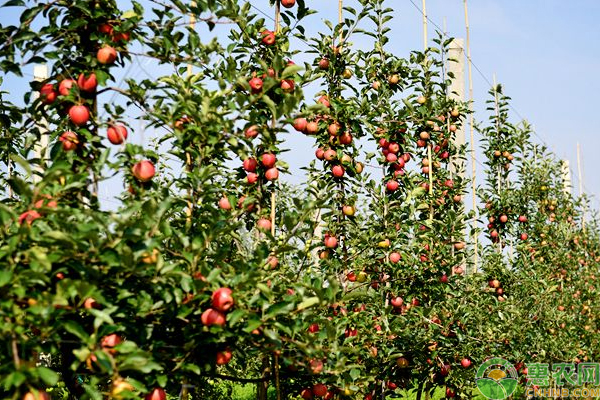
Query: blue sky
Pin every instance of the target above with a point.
(546, 53)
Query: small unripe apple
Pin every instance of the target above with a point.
(87, 83)
(213, 317)
(143, 170)
(116, 134)
(359, 167)
(106, 55)
(421, 99)
(268, 37)
(69, 140)
(79, 115)
(47, 93)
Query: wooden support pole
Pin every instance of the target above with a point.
(472, 137)
(424, 24)
(580, 175)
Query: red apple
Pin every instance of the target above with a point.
(64, 87)
(268, 160)
(110, 341)
(450, 393)
(345, 138)
(87, 84)
(222, 299)
(251, 178)
(107, 29)
(324, 100)
(319, 390)
(465, 362)
(250, 164)
(445, 370)
(264, 224)
(106, 55)
(121, 37)
(312, 128)
(300, 124)
(213, 317)
(494, 283)
(268, 37)
(330, 155)
(313, 328)
(29, 216)
(320, 153)
(324, 64)
(316, 366)
(223, 357)
(79, 115)
(392, 185)
(287, 85)
(306, 394)
(330, 242)
(143, 171)
(337, 171)
(272, 174)
(522, 218)
(251, 132)
(69, 140)
(116, 134)
(393, 147)
(256, 84)
(397, 301)
(47, 93)
(503, 218)
(36, 395)
(351, 276)
(288, 3)
(524, 236)
(444, 278)
(395, 257)
(156, 394)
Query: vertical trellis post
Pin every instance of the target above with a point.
(472, 138)
(580, 175)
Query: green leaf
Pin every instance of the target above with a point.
(311, 301)
(49, 377)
